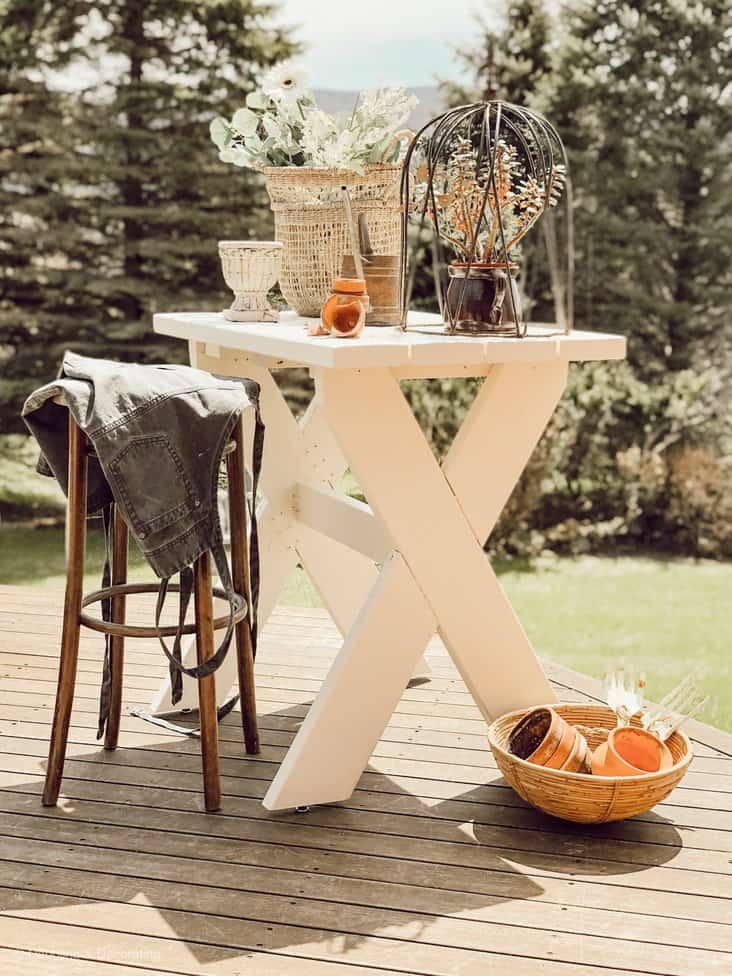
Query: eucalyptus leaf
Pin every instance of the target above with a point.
(253, 143)
(237, 156)
(257, 99)
(220, 133)
(242, 159)
(273, 128)
(245, 121)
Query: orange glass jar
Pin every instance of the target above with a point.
(344, 313)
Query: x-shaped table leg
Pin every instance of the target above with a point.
(303, 452)
(437, 577)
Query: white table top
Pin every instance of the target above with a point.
(288, 342)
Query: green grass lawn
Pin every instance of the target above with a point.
(666, 617)
(24, 494)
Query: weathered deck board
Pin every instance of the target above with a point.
(433, 867)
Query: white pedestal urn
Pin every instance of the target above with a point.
(251, 269)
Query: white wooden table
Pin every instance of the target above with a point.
(425, 525)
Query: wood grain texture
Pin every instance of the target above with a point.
(203, 601)
(75, 545)
(434, 866)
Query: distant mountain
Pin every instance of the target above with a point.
(431, 103)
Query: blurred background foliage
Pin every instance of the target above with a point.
(638, 454)
(111, 195)
(112, 199)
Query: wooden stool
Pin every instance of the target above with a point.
(204, 626)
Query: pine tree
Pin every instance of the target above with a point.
(511, 61)
(644, 101)
(111, 195)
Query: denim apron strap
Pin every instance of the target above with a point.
(174, 657)
(184, 598)
(105, 694)
(257, 453)
(236, 601)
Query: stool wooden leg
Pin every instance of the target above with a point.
(75, 541)
(203, 597)
(117, 644)
(240, 579)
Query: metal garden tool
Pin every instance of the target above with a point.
(681, 704)
(382, 278)
(624, 691)
(353, 233)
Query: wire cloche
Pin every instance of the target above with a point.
(480, 177)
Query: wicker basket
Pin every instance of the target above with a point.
(577, 796)
(310, 222)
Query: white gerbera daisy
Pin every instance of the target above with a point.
(286, 81)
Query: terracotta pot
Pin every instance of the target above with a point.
(630, 751)
(344, 313)
(563, 751)
(579, 759)
(478, 300)
(543, 737)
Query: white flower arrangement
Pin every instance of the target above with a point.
(281, 125)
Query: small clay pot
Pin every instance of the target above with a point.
(536, 735)
(563, 751)
(544, 738)
(344, 313)
(579, 759)
(630, 752)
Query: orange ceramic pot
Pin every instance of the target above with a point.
(579, 759)
(630, 752)
(344, 313)
(564, 750)
(544, 738)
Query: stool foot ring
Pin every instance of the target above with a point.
(127, 630)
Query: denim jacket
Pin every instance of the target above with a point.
(158, 434)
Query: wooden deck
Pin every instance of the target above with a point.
(434, 866)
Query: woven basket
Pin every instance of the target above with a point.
(310, 221)
(577, 796)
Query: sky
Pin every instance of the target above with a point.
(360, 43)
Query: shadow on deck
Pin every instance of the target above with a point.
(434, 866)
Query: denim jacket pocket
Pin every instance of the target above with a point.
(150, 477)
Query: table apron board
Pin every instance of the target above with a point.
(395, 571)
(423, 346)
(213, 352)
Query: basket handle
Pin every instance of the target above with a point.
(406, 135)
